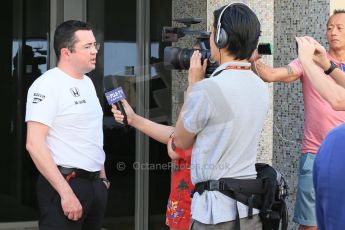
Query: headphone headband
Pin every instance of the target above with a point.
(219, 24)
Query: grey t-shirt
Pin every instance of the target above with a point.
(227, 113)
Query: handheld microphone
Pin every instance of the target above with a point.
(114, 97)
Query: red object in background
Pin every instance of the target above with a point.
(179, 203)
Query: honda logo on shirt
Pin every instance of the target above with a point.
(75, 92)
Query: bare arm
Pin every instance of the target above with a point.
(41, 156)
(333, 93)
(321, 59)
(154, 130)
(184, 139)
(171, 152)
(161, 133)
(270, 74)
(102, 174)
(338, 76)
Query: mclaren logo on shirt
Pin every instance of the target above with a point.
(75, 92)
(38, 98)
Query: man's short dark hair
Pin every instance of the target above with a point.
(243, 29)
(64, 36)
(336, 11)
(339, 11)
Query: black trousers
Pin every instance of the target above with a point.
(92, 195)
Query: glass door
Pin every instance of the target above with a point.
(132, 57)
(160, 111)
(24, 57)
(115, 29)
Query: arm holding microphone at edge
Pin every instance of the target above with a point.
(312, 56)
(159, 132)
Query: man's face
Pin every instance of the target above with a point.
(213, 47)
(84, 51)
(336, 32)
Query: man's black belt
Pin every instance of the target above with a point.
(246, 186)
(246, 191)
(70, 173)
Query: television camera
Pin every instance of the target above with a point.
(179, 58)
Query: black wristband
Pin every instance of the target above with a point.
(331, 68)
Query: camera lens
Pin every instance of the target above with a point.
(177, 58)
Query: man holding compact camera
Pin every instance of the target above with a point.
(329, 163)
(214, 119)
(319, 116)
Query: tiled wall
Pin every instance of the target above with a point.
(281, 21)
(185, 9)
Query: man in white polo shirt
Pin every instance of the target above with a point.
(65, 137)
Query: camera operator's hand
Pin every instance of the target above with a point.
(197, 70)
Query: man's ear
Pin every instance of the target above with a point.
(65, 52)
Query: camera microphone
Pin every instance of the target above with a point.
(114, 97)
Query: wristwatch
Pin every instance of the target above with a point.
(331, 68)
(106, 182)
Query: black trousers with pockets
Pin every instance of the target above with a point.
(92, 195)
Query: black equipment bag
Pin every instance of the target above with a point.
(273, 212)
(266, 193)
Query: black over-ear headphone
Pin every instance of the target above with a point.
(221, 38)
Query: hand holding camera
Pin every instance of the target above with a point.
(197, 68)
(180, 58)
(310, 50)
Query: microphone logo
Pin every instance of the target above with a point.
(115, 95)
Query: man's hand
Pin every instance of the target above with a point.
(196, 70)
(128, 110)
(306, 49)
(320, 56)
(310, 49)
(71, 206)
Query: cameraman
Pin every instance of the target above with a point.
(223, 117)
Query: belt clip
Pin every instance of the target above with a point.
(215, 185)
(70, 176)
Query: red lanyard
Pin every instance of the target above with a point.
(238, 67)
